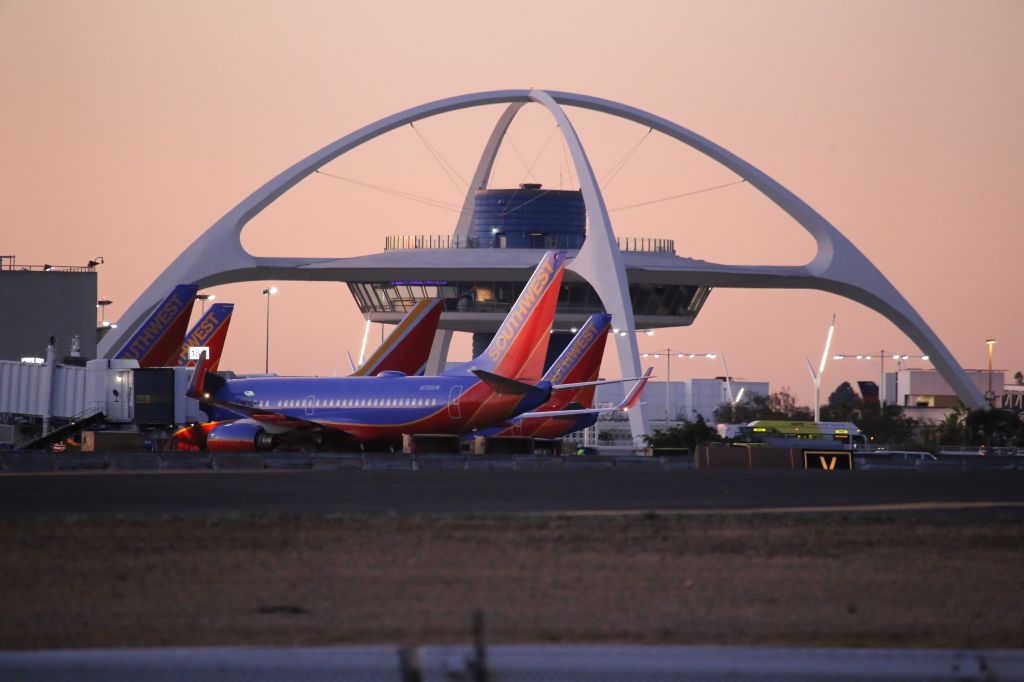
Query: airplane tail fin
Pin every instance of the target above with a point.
(518, 349)
(580, 362)
(408, 345)
(209, 332)
(197, 386)
(157, 341)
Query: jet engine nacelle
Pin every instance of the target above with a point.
(236, 436)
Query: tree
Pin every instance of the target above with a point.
(687, 435)
(843, 403)
(891, 426)
(778, 405)
(994, 428)
(953, 429)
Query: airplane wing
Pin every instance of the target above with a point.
(584, 384)
(631, 400)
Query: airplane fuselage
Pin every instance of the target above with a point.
(379, 408)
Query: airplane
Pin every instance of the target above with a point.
(157, 341)
(406, 350)
(505, 380)
(209, 334)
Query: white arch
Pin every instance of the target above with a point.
(217, 256)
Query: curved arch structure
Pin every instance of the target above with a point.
(218, 257)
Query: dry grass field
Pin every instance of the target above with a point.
(829, 580)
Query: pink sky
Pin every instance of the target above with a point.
(128, 128)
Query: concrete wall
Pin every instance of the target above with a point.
(37, 305)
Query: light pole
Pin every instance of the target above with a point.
(668, 371)
(204, 298)
(102, 305)
(266, 358)
(881, 371)
(990, 395)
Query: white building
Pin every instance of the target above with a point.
(677, 400)
(925, 395)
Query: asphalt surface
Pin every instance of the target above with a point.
(149, 495)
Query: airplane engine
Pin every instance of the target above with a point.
(238, 436)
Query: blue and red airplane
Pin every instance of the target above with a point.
(505, 380)
(405, 350)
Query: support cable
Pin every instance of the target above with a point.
(614, 170)
(529, 169)
(395, 192)
(447, 168)
(677, 196)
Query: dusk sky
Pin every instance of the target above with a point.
(128, 128)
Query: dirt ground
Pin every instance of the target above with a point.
(810, 580)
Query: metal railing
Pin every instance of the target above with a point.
(443, 241)
(9, 263)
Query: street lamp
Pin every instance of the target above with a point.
(266, 358)
(881, 371)
(990, 395)
(667, 352)
(209, 297)
(102, 305)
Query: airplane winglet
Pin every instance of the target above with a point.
(632, 398)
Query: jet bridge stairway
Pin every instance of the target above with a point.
(76, 424)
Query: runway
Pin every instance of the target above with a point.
(165, 494)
